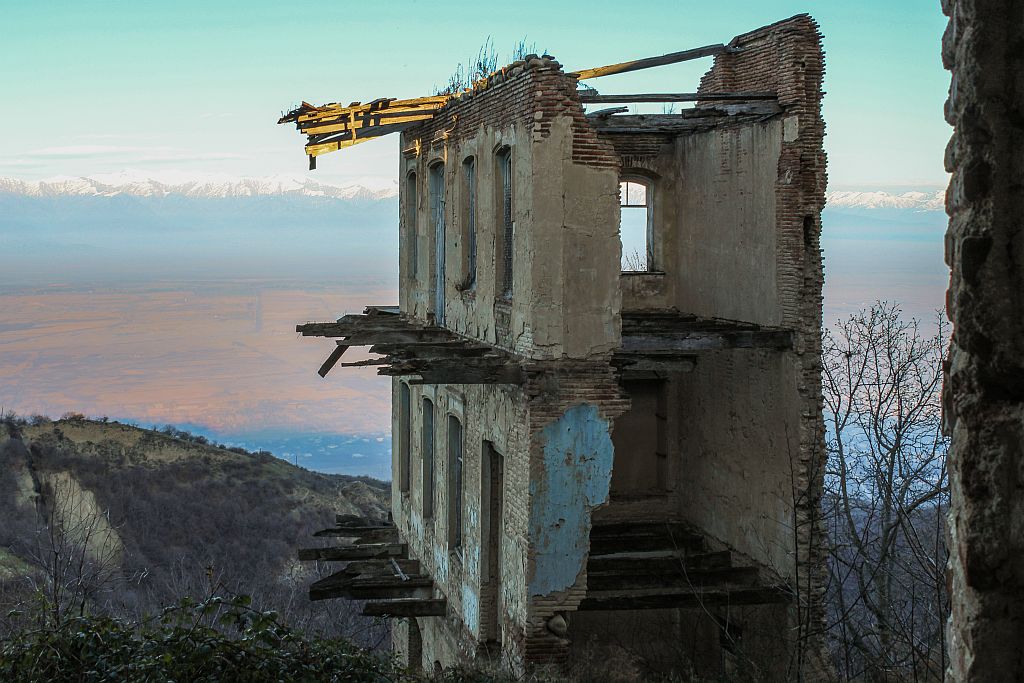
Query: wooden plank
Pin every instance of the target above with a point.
(383, 566)
(383, 535)
(360, 521)
(354, 552)
(343, 140)
(666, 562)
(412, 607)
(587, 98)
(332, 360)
(680, 578)
(648, 62)
(668, 598)
(710, 340)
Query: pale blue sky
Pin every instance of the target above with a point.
(92, 86)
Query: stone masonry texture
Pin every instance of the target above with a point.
(983, 47)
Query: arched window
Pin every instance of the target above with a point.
(506, 226)
(635, 225)
(404, 436)
(469, 223)
(412, 229)
(437, 224)
(427, 454)
(455, 488)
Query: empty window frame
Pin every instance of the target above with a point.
(411, 222)
(437, 226)
(455, 488)
(427, 454)
(469, 223)
(635, 225)
(404, 436)
(506, 226)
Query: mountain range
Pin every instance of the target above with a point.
(210, 186)
(190, 186)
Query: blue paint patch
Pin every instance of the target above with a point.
(578, 456)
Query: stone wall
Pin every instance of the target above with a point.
(984, 388)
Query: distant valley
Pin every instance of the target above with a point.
(173, 299)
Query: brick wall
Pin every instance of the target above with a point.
(787, 58)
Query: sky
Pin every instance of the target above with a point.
(94, 86)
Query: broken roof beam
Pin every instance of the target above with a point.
(354, 552)
(408, 607)
(662, 60)
(357, 122)
(588, 98)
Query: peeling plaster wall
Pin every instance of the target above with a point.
(738, 448)
(714, 231)
(497, 415)
(573, 480)
(565, 266)
(723, 255)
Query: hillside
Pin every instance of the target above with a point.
(126, 520)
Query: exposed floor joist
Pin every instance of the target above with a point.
(429, 354)
(653, 333)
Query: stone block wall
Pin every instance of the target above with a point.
(984, 388)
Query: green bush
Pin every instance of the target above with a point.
(215, 640)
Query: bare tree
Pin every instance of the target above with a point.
(886, 494)
(76, 551)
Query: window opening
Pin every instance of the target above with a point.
(427, 451)
(634, 226)
(404, 435)
(437, 222)
(469, 223)
(455, 488)
(412, 227)
(507, 227)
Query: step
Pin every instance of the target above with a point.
(695, 578)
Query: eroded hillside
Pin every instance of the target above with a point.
(126, 520)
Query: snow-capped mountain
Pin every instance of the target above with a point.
(193, 186)
(915, 201)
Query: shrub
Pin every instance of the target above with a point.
(217, 639)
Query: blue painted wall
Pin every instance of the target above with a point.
(578, 456)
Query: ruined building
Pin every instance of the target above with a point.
(984, 387)
(605, 359)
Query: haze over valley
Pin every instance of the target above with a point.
(173, 299)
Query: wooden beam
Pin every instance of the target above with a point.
(648, 62)
(669, 598)
(382, 535)
(587, 98)
(360, 521)
(410, 607)
(383, 566)
(665, 562)
(710, 340)
(332, 360)
(680, 579)
(354, 552)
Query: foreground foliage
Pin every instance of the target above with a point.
(217, 639)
